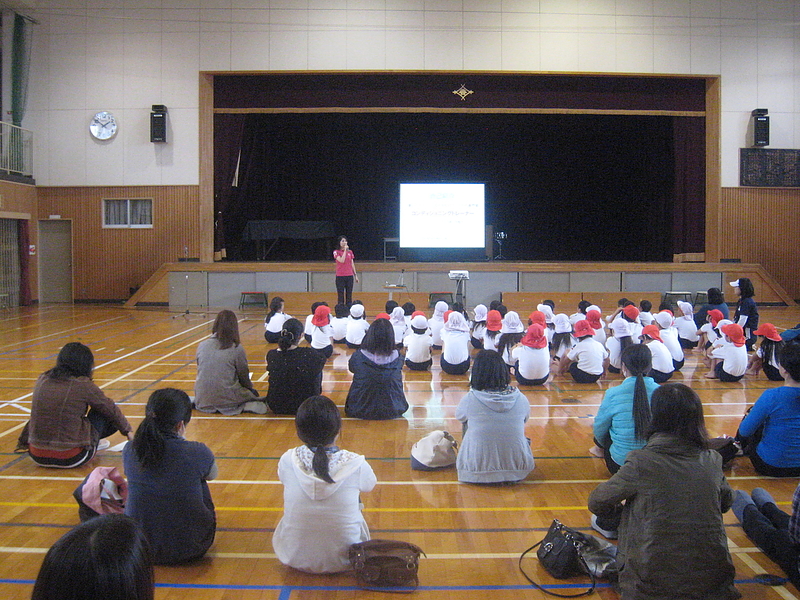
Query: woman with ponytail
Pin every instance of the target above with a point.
(294, 373)
(321, 487)
(167, 481)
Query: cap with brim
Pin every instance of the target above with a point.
(664, 318)
(652, 332)
(419, 322)
(494, 321)
(593, 317)
(537, 316)
(735, 333)
(716, 316)
(322, 316)
(583, 328)
(631, 312)
(735, 283)
(418, 313)
(769, 331)
(382, 315)
(534, 337)
(357, 310)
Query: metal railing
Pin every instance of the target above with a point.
(16, 150)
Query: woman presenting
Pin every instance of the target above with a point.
(345, 272)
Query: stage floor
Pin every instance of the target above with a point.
(473, 535)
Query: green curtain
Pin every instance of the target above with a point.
(20, 67)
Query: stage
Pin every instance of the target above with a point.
(521, 285)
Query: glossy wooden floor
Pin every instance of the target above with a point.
(472, 535)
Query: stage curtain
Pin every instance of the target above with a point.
(227, 146)
(689, 208)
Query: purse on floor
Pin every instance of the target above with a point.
(381, 564)
(565, 552)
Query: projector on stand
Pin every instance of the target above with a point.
(460, 277)
(459, 274)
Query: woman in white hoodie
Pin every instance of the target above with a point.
(321, 488)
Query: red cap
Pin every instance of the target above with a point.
(494, 321)
(534, 337)
(446, 314)
(322, 316)
(769, 331)
(716, 316)
(593, 316)
(652, 331)
(735, 332)
(583, 328)
(382, 315)
(417, 313)
(537, 316)
(631, 312)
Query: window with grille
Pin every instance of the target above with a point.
(127, 212)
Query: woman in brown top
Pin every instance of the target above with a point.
(70, 415)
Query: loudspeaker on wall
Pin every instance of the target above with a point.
(158, 123)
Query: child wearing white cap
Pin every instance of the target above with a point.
(418, 345)
(669, 335)
(686, 327)
(357, 326)
(436, 323)
(478, 326)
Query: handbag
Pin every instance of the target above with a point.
(381, 564)
(437, 450)
(565, 552)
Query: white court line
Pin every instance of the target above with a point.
(105, 364)
(758, 569)
(62, 331)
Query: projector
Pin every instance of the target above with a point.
(459, 274)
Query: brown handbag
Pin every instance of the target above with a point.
(386, 564)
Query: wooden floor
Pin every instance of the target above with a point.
(472, 535)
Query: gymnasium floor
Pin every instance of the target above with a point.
(473, 536)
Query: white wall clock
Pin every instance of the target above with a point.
(103, 126)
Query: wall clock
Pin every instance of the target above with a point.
(103, 126)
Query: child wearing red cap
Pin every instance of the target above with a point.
(321, 331)
(625, 330)
(662, 367)
(585, 360)
(531, 357)
(494, 323)
(766, 355)
(729, 361)
(309, 325)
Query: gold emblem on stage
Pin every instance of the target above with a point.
(463, 92)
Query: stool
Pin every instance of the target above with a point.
(700, 297)
(434, 297)
(253, 298)
(672, 298)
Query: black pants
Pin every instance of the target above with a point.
(772, 373)
(750, 449)
(610, 521)
(724, 376)
(452, 369)
(581, 376)
(344, 288)
(769, 529)
(419, 366)
(525, 381)
(660, 376)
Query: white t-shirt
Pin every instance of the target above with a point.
(662, 359)
(589, 354)
(455, 346)
(646, 318)
(275, 324)
(436, 326)
(400, 330)
(534, 363)
(490, 343)
(418, 347)
(711, 333)
(686, 328)
(670, 338)
(600, 335)
(478, 329)
(309, 325)
(356, 329)
(321, 336)
(339, 326)
(734, 358)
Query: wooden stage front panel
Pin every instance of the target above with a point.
(473, 535)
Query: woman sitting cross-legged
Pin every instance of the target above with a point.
(321, 494)
(70, 415)
(493, 416)
(377, 388)
(167, 475)
(294, 373)
(672, 541)
(223, 376)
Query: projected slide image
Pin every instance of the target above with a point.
(442, 215)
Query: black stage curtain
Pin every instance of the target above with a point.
(563, 187)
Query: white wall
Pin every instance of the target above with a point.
(125, 55)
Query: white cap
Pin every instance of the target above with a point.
(357, 310)
(686, 308)
(735, 283)
(664, 319)
(419, 322)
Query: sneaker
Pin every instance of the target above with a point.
(103, 444)
(610, 534)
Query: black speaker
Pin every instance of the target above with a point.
(158, 123)
(760, 127)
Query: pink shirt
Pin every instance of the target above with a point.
(346, 267)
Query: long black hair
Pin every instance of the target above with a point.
(508, 340)
(746, 289)
(291, 333)
(770, 349)
(275, 306)
(638, 361)
(105, 557)
(318, 423)
(489, 372)
(677, 410)
(74, 360)
(165, 409)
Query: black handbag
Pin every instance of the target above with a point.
(565, 552)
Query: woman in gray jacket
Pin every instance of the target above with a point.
(672, 542)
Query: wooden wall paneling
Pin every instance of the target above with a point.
(108, 262)
(760, 225)
(21, 198)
